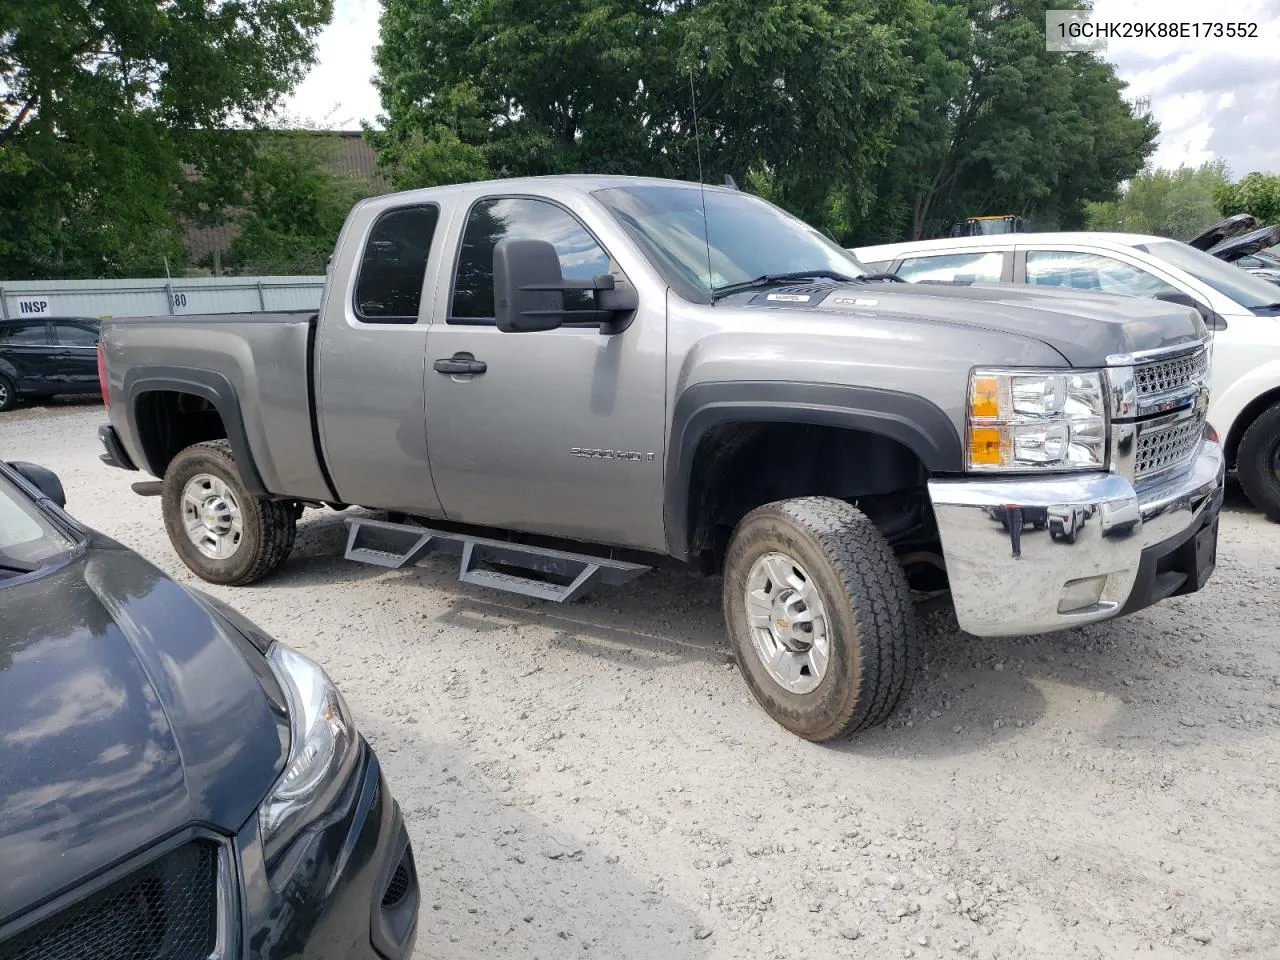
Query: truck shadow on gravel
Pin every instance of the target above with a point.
(497, 881)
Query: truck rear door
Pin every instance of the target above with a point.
(558, 432)
(369, 392)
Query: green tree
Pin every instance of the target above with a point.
(1000, 125)
(102, 104)
(292, 208)
(1258, 194)
(1167, 203)
(807, 93)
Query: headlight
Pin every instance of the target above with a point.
(1028, 420)
(322, 749)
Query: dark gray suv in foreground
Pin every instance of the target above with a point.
(174, 784)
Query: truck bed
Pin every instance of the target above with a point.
(262, 361)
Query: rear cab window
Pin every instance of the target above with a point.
(394, 264)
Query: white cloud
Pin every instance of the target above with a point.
(1215, 97)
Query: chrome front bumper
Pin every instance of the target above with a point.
(1088, 544)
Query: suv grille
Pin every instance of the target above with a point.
(1166, 376)
(166, 910)
(1166, 446)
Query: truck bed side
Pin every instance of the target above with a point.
(174, 381)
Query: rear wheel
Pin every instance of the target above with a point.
(222, 532)
(819, 616)
(1258, 462)
(8, 393)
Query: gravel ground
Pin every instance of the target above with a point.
(594, 780)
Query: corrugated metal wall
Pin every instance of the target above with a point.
(157, 297)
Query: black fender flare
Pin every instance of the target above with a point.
(916, 423)
(210, 386)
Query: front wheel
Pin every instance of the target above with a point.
(1258, 462)
(222, 532)
(819, 616)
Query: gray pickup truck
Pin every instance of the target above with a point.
(567, 380)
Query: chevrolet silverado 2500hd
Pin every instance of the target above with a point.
(565, 380)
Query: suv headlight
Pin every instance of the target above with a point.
(1032, 420)
(322, 749)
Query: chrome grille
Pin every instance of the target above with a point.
(1166, 446)
(1167, 376)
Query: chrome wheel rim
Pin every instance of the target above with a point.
(211, 516)
(4, 393)
(788, 623)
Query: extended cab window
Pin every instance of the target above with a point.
(25, 335)
(954, 267)
(520, 218)
(1091, 271)
(389, 287)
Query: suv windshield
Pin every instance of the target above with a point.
(749, 237)
(27, 538)
(1229, 280)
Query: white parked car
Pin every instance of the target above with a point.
(1242, 310)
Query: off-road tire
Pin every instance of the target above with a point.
(871, 621)
(1256, 463)
(269, 526)
(8, 395)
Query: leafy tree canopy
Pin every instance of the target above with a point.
(292, 208)
(1168, 203)
(100, 106)
(877, 119)
(1258, 194)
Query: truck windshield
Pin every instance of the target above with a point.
(1252, 293)
(748, 237)
(27, 538)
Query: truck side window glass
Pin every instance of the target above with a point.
(954, 267)
(389, 287)
(1091, 271)
(520, 218)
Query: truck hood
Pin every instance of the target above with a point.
(1084, 328)
(127, 712)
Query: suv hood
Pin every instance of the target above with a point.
(126, 713)
(1084, 328)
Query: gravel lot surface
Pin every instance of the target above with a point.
(593, 780)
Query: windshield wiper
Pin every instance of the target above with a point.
(769, 279)
(18, 567)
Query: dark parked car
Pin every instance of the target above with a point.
(174, 785)
(46, 357)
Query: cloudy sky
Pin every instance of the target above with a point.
(1213, 98)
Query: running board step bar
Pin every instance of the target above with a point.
(396, 545)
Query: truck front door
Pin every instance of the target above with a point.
(562, 431)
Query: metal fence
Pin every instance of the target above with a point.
(157, 297)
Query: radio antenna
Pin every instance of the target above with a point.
(702, 187)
